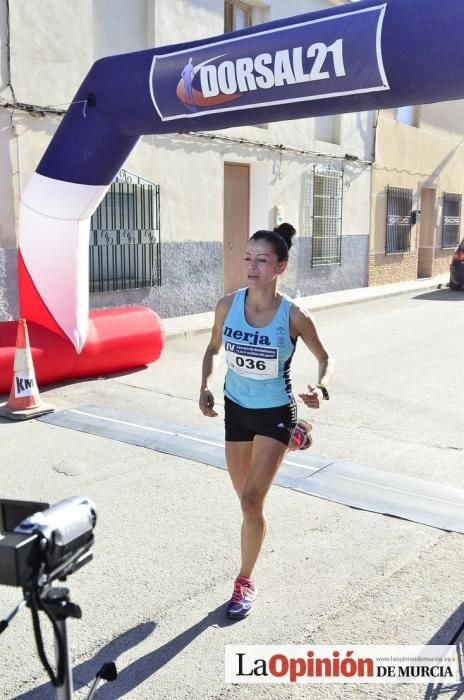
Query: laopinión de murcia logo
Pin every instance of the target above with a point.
(341, 664)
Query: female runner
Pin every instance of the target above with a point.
(259, 327)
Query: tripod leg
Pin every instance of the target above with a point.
(64, 692)
(94, 687)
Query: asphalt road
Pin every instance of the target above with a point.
(168, 529)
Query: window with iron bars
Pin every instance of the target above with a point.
(398, 224)
(237, 15)
(327, 217)
(451, 221)
(125, 236)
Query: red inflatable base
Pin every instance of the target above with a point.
(117, 339)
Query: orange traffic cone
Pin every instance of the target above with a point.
(24, 401)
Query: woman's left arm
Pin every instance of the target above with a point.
(303, 326)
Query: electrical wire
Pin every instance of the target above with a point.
(42, 111)
(38, 110)
(280, 148)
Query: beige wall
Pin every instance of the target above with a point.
(119, 26)
(51, 49)
(427, 156)
(445, 118)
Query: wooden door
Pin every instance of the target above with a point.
(427, 235)
(236, 223)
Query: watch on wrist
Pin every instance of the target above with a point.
(325, 391)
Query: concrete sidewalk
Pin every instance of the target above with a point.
(199, 323)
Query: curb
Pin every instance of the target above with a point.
(361, 298)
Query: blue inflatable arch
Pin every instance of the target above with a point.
(363, 56)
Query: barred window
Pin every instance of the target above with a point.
(451, 222)
(125, 236)
(237, 15)
(327, 217)
(399, 207)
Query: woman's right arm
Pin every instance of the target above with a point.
(206, 401)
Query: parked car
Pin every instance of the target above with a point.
(457, 268)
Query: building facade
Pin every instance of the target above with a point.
(417, 188)
(171, 231)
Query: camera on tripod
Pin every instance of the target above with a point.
(39, 543)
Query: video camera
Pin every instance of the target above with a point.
(39, 543)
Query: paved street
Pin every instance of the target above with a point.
(167, 546)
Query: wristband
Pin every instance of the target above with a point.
(325, 391)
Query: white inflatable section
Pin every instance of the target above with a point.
(62, 200)
(54, 244)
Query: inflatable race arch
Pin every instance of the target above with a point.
(362, 56)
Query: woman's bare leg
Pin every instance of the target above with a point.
(266, 458)
(238, 460)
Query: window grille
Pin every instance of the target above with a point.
(237, 15)
(327, 217)
(451, 223)
(398, 224)
(125, 236)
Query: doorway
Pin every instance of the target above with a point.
(426, 252)
(236, 223)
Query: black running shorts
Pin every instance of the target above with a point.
(242, 424)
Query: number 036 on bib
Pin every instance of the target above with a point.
(252, 362)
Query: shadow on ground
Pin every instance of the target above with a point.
(444, 294)
(138, 671)
(451, 632)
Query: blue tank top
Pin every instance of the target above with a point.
(258, 359)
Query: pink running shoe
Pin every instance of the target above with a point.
(241, 603)
(301, 438)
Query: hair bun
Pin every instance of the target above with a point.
(286, 231)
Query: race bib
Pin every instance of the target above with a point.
(252, 361)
